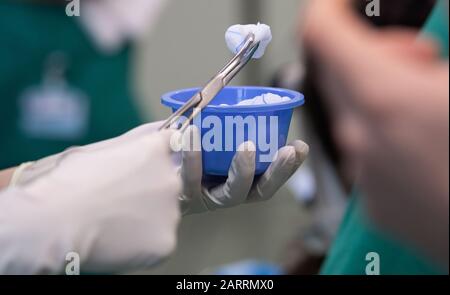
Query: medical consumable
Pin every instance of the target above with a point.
(225, 121)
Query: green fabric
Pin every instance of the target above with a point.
(356, 237)
(29, 32)
(437, 26)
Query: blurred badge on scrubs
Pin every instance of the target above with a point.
(54, 110)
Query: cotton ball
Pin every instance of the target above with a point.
(236, 34)
(246, 102)
(258, 100)
(270, 98)
(266, 98)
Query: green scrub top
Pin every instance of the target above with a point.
(436, 26)
(357, 237)
(94, 102)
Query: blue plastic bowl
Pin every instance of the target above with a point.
(217, 162)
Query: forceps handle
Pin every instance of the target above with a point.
(191, 103)
(195, 112)
(213, 87)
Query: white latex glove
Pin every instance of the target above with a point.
(240, 186)
(115, 203)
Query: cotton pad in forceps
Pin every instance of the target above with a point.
(236, 34)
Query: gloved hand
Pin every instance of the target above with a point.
(239, 187)
(115, 203)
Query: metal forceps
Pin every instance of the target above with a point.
(202, 98)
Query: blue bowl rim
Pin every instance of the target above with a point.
(297, 100)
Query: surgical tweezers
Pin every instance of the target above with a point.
(202, 98)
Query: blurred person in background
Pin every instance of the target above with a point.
(66, 80)
(386, 93)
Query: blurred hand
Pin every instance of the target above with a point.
(388, 94)
(239, 187)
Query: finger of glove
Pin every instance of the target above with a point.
(287, 161)
(240, 178)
